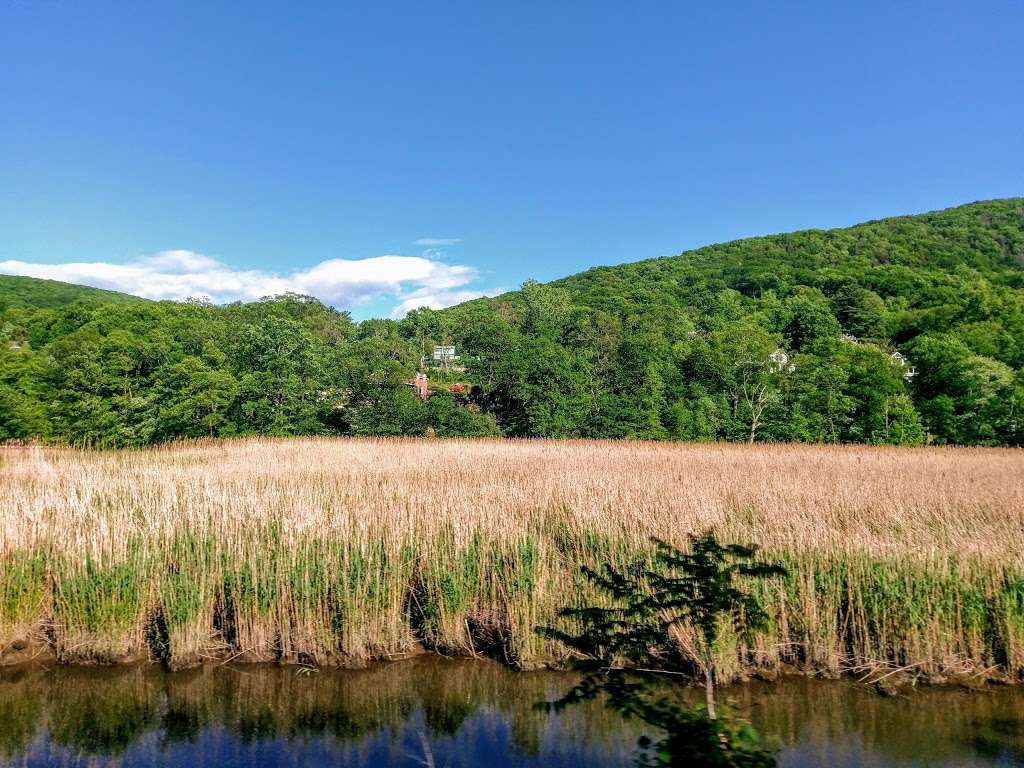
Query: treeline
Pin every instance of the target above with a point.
(789, 337)
(782, 338)
(138, 373)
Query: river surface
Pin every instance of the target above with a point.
(432, 712)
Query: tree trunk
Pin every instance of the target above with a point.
(709, 687)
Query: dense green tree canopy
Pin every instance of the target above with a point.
(898, 331)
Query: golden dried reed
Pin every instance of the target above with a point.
(334, 551)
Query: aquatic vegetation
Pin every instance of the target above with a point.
(22, 593)
(339, 551)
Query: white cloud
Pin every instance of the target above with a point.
(341, 282)
(434, 242)
(437, 299)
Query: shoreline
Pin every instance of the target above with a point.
(882, 680)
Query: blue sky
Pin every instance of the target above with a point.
(383, 154)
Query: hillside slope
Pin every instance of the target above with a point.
(18, 291)
(683, 346)
(984, 236)
(899, 331)
(987, 237)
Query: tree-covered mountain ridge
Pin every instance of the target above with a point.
(903, 330)
(683, 345)
(987, 236)
(17, 291)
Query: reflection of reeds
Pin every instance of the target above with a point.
(22, 713)
(90, 711)
(339, 551)
(932, 726)
(102, 712)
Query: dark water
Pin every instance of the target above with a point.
(431, 712)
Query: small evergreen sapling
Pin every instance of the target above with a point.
(626, 651)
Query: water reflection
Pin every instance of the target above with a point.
(424, 711)
(433, 712)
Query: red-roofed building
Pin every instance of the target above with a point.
(421, 384)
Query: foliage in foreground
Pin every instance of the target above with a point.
(782, 338)
(627, 651)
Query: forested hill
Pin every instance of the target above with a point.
(681, 347)
(33, 292)
(904, 330)
(883, 255)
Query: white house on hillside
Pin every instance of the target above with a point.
(778, 361)
(909, 371)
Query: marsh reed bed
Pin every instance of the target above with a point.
(339, 551)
